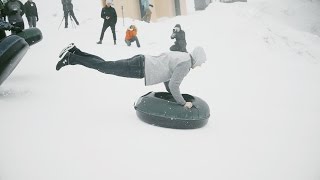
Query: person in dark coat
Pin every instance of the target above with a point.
(5, 26)
(68, 10)
(31, 13)
(14, 9)
(109, 15)
(180, 43)
(2, 15)
(169, 68)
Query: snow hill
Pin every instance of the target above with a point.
(261, 81)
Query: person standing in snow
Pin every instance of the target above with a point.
(180, 43)
(169, 68)
(2, 16)
(131, 36)
(148, 13)
(14, 9)
(7, 26)
(110, 17)
(31, 13)
(68, 10)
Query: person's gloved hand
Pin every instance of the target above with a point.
(16, 29)
(37, 18)
(188, 105)
(7, 26)
(173, 35)
(13, 12)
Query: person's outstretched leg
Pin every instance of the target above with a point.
(74, 50)
(131, 68)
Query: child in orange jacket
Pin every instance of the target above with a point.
(131, 35)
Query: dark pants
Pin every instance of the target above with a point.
(135, 38)
(32, 21)
(178, 48)
(105, 26)
(71, 13)
(131, 68)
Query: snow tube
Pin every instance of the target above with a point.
(160, 109)
(31, 35)
(12, 49)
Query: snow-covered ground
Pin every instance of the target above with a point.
(261, 81)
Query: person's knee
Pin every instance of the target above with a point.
(173, 48)
(128, 42)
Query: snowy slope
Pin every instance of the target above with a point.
(261, 81)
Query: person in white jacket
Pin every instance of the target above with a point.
(169, 68)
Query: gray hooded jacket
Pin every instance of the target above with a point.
(171, 68)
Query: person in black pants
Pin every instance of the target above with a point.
(109, 15)
(169, 68)
(68, 10)
(31, 13)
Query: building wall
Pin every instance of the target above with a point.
(161, 8)
(131, 8)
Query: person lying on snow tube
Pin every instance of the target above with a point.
(169, 67)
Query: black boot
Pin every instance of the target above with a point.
(63, 61)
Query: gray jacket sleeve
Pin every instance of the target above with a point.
(174, 84)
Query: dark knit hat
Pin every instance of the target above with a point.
(178, 25)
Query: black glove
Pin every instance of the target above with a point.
(16, 29)
(13, 12)
(37, 18)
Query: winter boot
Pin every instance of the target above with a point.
(115, 42)
(99, 42)
(71, 48)
(63, 61)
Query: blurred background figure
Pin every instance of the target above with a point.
(68, 11)
(131, 36)
(109, 16)
(180, 43)
(14, 9)
(2, 16)
(147, 15)
(31, 13)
